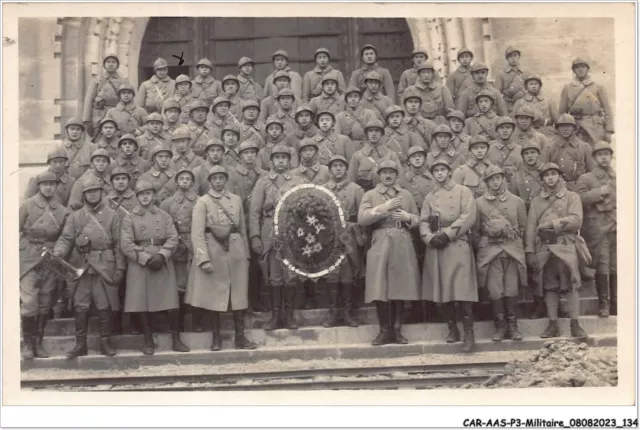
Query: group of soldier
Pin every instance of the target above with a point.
(166, 197)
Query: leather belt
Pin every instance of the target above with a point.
(152, 241)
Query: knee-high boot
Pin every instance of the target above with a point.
(383, 338)
(511, 303)
(334, 313)
(499, 320)
(28, 329)
(38, 349)
(467, 322)
(276, 309)
(145, 323)
(397, 313)
(174, 328)
(602, 288)
(241, 341)
(82, 322)
(216, 339)
(347, 305)
(449, 310)
(613, 293)
(290, 298)
(105, 333)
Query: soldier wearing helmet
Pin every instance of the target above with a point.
(220, 116)
(154, 92)
(284, 109)
(154, 135)
(456, 122)
(352, 120)
(130, 117)
(230, 137)
(121, 197)
(525, 119)
(77, 148)
(554, 221)
(184, 97)
(129, 159)
(504, 151)
(568, 152)
(363, 167)
(597, 190)
(183, 155)
(97, 173)
(372, 97)
(470, 174)
(41, 218)
(251, 127)
(449, 274)
(460, 79)
(510, 80)
(280, 60)
(214, 153)
(467, 99)
(249, 88)
(200, 132)
(410, 76)
(417, 179)
(330, 98)
(102, 94)
(312, 80)
(412, 102)
(436, 98)
(92, 237)
(329, 142)
(443, 148)
(397, 135)
(171, 112)
(204, 86)
(304, 127)
(544, 108)
(275, 128)
(161, 175)
(500, 259)
(107, 137)
(483, 122)
(310, 171)
(57, 160)
(282, 85)
(230, 89)
(369, 57)
(588, 102)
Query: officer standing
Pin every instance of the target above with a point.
(159, 88)
(312, 82)
(78, 149)
(460, 79)
(436, 98)
(204, 86)
(354, 118)
(127, 114)
(466, 101)
(56, 159)
(249, 88)
(369, 57)
(102, 94)
(510, 81)
(280, 60)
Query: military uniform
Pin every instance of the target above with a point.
(109, 145)
(187, 159)
(162, 181)
(170, 127)
(418, 182)
(314, 172)
(525, 183)
(410, 76)
(78, 151)
(216, 123)
(423, 127)
(249, 88)
(201, 135)
(133, 164)
(76, 199)
(102, 95)
(378, 102)
(358, 77)
(450, 153)
(521, 135)
(505, 153)
(296, 81)
(130, 117)
(544, 109)
(324, 102)
(235, 111)
(436, 98)
(467, 99)
(242, 179)
(471, 173)
(65, 182)
(149, 140)
(482, 124)
(263, 159)
(399, 139)
(201, 172)
(270, 106)
(121, 203)
(154, 92)
(511, 82)
(252, 129)
(331, 144)
(460, 79)
(351, 122)
(205, 88)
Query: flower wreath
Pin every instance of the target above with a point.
(308, 223)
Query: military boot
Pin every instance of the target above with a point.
(310, 300)
(174, 328)
(577, 331)
(82, 323)
(452, 323)
(145, 322)
(334, 312)
(116, 324)
(538, 308)
(357, 293)
(276, 309)
(602, 288)
(28, 327)
(241, 341)
(347, 305)
(499, 320)
(397, 313)
(511, 303)
(468, 343)
(38, 349)
(383, 338)
(290, 320)
(216, 339)
(105, 333)
(613, 294)
(552, 330)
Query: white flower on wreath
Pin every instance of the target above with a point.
(312, 220)
(300, 232)
(317, 247)
(319, 228)
(310, 238)
(307, 251)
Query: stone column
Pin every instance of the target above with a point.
(455, 41)
(472, 31)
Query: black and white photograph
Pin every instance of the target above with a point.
(408, 203)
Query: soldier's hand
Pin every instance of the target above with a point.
(400, 215)
(256, 245)
(118, 277)
(207, 267)
(156, 262)
(88, 127)
(532, 261)
(545, 225)
(605, 190)
(394, 203)
(607, 136)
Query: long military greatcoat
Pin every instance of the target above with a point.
(163, 181)
(351, 123)
(154, 92)
(79, 153)
(63, 191)
(76, 199)
(101, 96)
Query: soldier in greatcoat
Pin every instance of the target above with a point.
(364, 164)
(416, 123)
(99, 172)
(555, 217)
(392, 274)
(589, 104)
(214, 152)
(310, 171)
(460, 139)
(41, 219)
(171, 114)
(107, 137)
(397, 136)
(436, 98)
(502, 268)
(572, 155)
(449, 270)
(313, 80)
(329, 99)
(78, 149)
(510, 80)
(275, 137)
(483, 122)
(460, 79)
(467, 99)
(329, 142)
(249, 88)
(525, 118)
(341, 281)
(161, 175)
(231, 140)
(251, 127)
(129, 159)
(151, 278)
(409, 77)
(230, 90)
(280, 280)
(153, 93)
(183, 155)
(130, 117)
(220, 117)
(304, 127)
(372, 97)
(443, 148)
(56, 159)
(219, 276)
(545, 109)
(597, 189)
(503, 151)
(102, 94)
(200, 132)
(185, 98)
(91, 239)
(153, 136)
(280, 60)
(354, 118)
(283, 100)
(204, 86)
(284, 110)
(471, 173)
(369, 57)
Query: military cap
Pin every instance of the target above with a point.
(273, 120)
(352, 89)
(326, 112)
(307, 142)
(119, 171)
(392, 109)
(199, 104)
(336, 158)
(492, 171)
(160, 63)
(442, 128)
(331, 76)
(388, 164)
(477, 66)
(486, 93)
(281, 149)
(46, 177)
(420, 50)
(214, 142)
(231, 127)
(602, 146)
(456, 114)
(281, 74)
(217, 169)
(160, 148)
(533, 77)
(524, 111)
(368, 47)
(415, 150)
(185, 170)
(181, 132)
(280, 52)
(143, 185)
(111, 55)
(565, 118)
(155, 116)
(304, 108)
(322, 51)
(425, 65)
(92, 184)
(373, 76)
(56, 153)
(220, 99)
(476, 140)
(411, 93)
(374, 123)
(549, 166)
(205, 62)
(244, 60)
(183, 78)
(106, 120)
(440, 162)
(285, 92)
(74, 121)
(464, 51)
(248, 144)
(530, 144)
(171, 104)
(510, 50)
(250, 103)
(230, 78)
(126, 87)
(505, 120)
(101, 153)
(129, 137)
(580, 60)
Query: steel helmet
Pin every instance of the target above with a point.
(440, 162)
(420, 50)
(331, 76)
(127, 137)
(510, 50)
(602, 146)
(478, 140)
(492, 171)
(281, 149)
(205, 62)
(352, 89)
(250, 103)
(143, 185)
(524, 111)
(411, 93)
(456, 114)
(549, 166)
(214, 142)
(220, 99)
(304, 108)
(415, 150)
(111, 55)
(183, 78)
(392, 109)
(171, 104)
(285, 92)
(248, 144)
(185, 170)
(326, 112)
(477, 66)
(365, 47)
(280, 52)
(533, 77)
(580, 60)
(46, 177)
(155, 116)
(217, 169)
(244, 60)
(101, 153)
(92, 184)
(307, 142)
(505, 120)
(273, 120)
(337, 158)
(181, 132)
(530, 144)
(199, 104)
(388, 164)
(464, 51)
(126, 87)
(160, 148)
(565, 118)
(231, 127)
(57, 153)
(426, 65)
(322, 51)
(107, 120)
(442, 129)
(374, 123)
(160, 63)
(119, 171)
(373, 76)
(486, 93)
(74, 121)
(281, 74)
(230, 78)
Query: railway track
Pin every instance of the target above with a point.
(355, 378)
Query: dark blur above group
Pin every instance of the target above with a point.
(454, 190)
